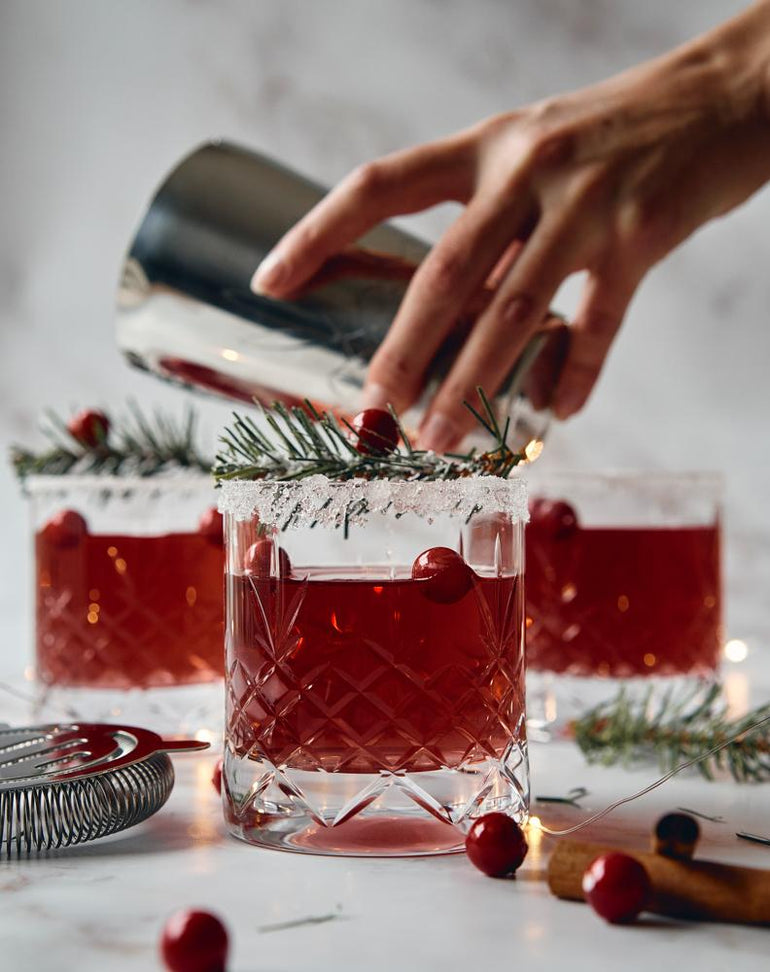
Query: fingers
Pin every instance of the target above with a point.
(542, 378)
(447, 281)
(359, 263)
(404, 182)
(552, 253)
(605, 300)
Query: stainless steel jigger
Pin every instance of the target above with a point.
(65, 784)
(186, 313)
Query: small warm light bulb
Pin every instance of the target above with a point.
(535, 823)
(736, 650)
(533, 449)
(203, 735)
(229, 355)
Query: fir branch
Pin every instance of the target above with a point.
(677, 728)
(138, 445)
(300, 442)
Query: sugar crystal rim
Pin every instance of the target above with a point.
(320, 500)
(52, 484)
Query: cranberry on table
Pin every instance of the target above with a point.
(555, 517)
(446, 576)
(617, 887)
(194, 941)
(90, 427)
(216, 776)
(376, 431)
(211, 525)
(260, 559)
(65, 529)
(496, 845)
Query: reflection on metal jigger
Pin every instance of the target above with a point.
(186, 313)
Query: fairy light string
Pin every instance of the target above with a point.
(599, 815)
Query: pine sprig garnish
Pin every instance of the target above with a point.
(301, 441)
(139, 445)
(679, 727)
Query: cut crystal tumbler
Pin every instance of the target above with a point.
(128, 600)
(375, 662)
(623, 584)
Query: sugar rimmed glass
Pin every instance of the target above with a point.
(129, 619)
(624, 585)
(369, 712)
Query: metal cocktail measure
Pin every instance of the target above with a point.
(186, 313)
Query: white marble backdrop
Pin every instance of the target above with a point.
(99, 97)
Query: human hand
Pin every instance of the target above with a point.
(607, 180)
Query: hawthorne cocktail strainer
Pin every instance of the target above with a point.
(70, 783)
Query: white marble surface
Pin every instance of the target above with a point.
(102, 906)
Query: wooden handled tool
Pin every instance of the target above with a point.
(701, 890)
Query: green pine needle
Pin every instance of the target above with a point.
(139, 445)
(676, 728)
(301, 442)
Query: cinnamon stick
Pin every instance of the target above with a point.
(700, 890)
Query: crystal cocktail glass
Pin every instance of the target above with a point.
(623, 584)
(128, 599)
(373, 709)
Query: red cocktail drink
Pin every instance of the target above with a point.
(128, 611)
(624, 577)
(362, 674)
(624, 601)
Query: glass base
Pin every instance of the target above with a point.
(555, 701)
(379, 815)
(192, 711)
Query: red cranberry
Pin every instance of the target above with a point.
(445, 575)
(211, 525)
(89, 427)
(260, 558)
(377, 431)
(66, 529)
(556, 517)
(216, 776)
(617, 887)
(194, 941)
(496, 845)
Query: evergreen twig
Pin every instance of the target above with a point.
(301, 442)
(625, 730)
(139, 445)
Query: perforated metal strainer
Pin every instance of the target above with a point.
(66, 784)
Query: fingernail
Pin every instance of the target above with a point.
(438, 433)
(375, 396)
(567, 404)
(268, 274)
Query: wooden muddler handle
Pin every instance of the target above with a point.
(702, 890)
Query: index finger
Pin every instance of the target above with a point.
(404, 182)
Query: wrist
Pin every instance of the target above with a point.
(735, 58)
